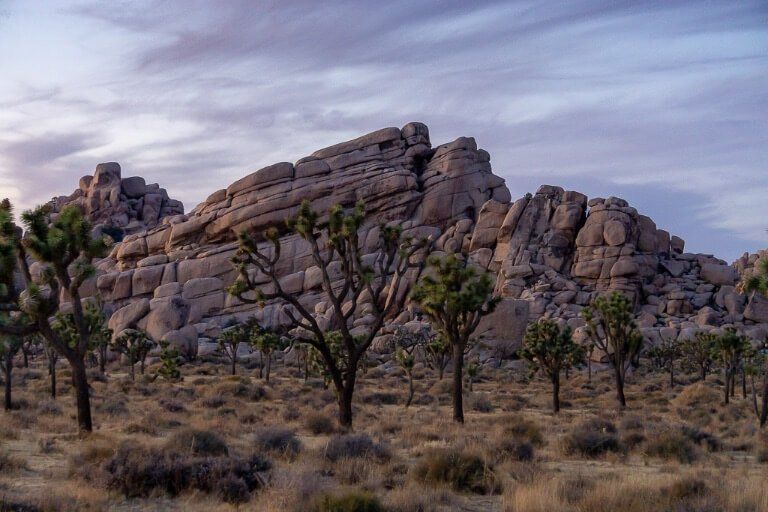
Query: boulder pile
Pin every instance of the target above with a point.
(119, 206)
(552, 252)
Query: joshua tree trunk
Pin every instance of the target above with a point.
(458, 382)
(620, 386)
(555, 393)
(102, 359)
(25, 355)
(671, 376)
(268, 367)
(80, 381)
(410, 389)
(345, 392)
(727, 386)
(261, 364)
(743, 384)
(306, 367)
(441, 371)
(234, 361)
(703, 373)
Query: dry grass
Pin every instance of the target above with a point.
(678, 449)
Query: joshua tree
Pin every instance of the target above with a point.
(135, 345)
(9, 347)
(378, 280)
(665, 355)
(729, 350)
(473, 370)
(612, 328)
(550, 349)
(455, 298)
(169, 362)
(266, 342)
(698, 352)
(52, 357)
(405, 344)
(96, 325)
(229, 340)
(65, 249)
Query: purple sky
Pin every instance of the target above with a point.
(663, 103)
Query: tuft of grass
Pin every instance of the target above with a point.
(197, 442)
(350, 446)
(318, 423)
(463, 472)
(671, 445)
(592, 438)
(277, 440)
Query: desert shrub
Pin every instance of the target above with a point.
(137, 471)
(686, 488)
(197, 442)
(49, 408)
(213, 402)
(233, 489)
(277, 439)
(516, 450)
(523, 429)
(671, 445)
(291, 414)
(698, 395)
(318, 423)
(702, 438)
(172, 405)
(382, 398)
(355, 446)
(113, 407)
(463, 472)
(354, 501)
(480, 403)
(592, 439)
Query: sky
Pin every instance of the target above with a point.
(663, 103)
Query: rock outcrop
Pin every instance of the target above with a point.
(552, 251)
(119, 206)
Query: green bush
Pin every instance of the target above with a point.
(462, 471)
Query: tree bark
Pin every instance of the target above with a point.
(620, 386)
(727, 386)
(268, 367)
(234, 361)
(556, 393)
(671, 376)
(102, 359)
(345, 403)
(743, 383)
(703, 373)
(82, 393)
(133, 372)
(52, 373)
(410, 390)
(458, 383)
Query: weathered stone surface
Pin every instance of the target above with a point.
(127, 316)
(719, 274)
(551, 252)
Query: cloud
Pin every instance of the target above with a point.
(660, 95)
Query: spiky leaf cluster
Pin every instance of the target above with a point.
(549, 348)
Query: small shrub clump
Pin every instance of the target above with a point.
(279, 440)
(671, 445)
(318, 423)
(197, 442)
(592, 439)
(463, 472)
(351, 446)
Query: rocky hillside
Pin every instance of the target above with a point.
(551, 251)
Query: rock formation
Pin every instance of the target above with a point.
(119, 206)
(551, 251)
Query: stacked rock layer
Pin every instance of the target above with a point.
(552, 252)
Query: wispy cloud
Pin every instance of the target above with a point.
(644, 97)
